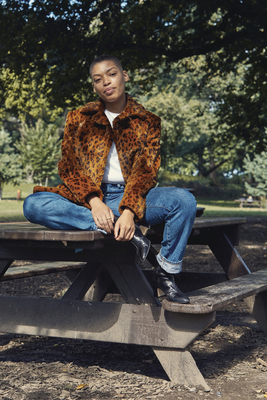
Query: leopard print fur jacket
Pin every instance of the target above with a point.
(88, 137)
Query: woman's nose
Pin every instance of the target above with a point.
(106, 81)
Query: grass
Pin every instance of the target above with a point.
(228, 208)
(11, 208)
(10, 192)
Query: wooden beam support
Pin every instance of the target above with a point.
(82, 282)
(228, 256)
(108, 322)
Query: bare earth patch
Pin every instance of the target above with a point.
(231, 353)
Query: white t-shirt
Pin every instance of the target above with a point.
(112, 172)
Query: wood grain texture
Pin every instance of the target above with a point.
(215, 297)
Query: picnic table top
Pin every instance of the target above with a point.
(29, 231)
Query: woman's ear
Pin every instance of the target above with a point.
(126, 76)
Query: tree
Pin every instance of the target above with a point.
(39, 149)
(145, 35)
(193, 137)
(142, 33)
(26, 98)
(10, 168)
(258, 169)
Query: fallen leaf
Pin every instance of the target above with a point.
(82, 386)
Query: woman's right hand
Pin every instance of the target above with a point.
(102, 214)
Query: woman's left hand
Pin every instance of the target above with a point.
(125, 227)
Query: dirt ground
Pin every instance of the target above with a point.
(231, 353)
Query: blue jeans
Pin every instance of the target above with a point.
(176, 207)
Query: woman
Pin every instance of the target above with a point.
(109, 165)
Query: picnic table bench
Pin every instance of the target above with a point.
(108, 266)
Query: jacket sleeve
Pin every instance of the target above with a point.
(70, 169)
(144, 171)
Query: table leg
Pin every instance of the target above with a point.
(82, 282)
(120, 262)
(258, 308)
(4, 265)
(180, 367)
(227, 255)
(99, 288)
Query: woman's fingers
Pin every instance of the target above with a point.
(103, 216)
(105, 222)
(122, 232)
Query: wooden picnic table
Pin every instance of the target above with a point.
(249, 203)
(140, 318)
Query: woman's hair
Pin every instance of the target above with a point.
(105, 57)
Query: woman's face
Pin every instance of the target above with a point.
(109, 83)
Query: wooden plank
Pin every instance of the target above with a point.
(28, 231)
(209, 222)
(24, 271)
(108, 322)
(216, 297)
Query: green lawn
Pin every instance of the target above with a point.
(11, 208)
(10, 192)
(227, 208)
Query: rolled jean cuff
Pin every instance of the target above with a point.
(171, 268)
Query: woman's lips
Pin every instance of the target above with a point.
(109, 91)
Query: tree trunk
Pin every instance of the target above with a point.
(213, 174)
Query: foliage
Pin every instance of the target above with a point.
(39, 72)
(258, 169)
(194, 141)
(26, 97)
(39, 149)
(10, 168)
(142, 33)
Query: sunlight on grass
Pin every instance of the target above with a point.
(10, 192)
(228, 208)
(11, 209)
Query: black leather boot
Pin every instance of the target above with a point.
(140, 242)
(166, 283)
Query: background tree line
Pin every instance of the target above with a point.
(200, 66)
